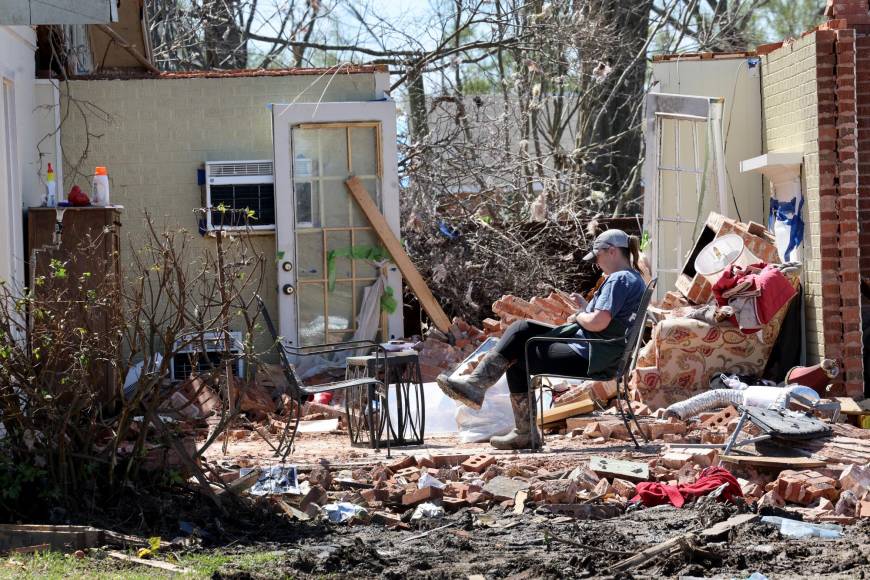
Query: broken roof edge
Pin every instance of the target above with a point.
(704, 56)
(123, 75)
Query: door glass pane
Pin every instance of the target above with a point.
(341, 306)
(309, 252)
(365, 239)
(333, 150)
(305, 153)
(364, 151)
(340, 241)
(336, 201)
(312, 327)
(307, 204)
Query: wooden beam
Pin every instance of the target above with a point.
(151, 563)
(557, 414)
(122, 42)
(778, 462)
(401, 259)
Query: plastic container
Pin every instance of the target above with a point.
(100, 191)
(721, 253)
(797, 529)
(50, 188)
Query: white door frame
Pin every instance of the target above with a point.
(284, 117)
(10, 185)
(658, 106)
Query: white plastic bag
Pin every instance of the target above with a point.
(495, 417)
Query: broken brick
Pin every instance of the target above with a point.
(555, 491)
(401, 463)
(420, 495)
(315, 496)
(805, 487)
(453, 503)
(624, 488)
(478, 463)
(375, 495)
(448, 460)
(720, 419)
(409, 473)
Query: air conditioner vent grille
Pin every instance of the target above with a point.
(240, 169)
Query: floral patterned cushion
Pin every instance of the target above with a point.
(684, 354)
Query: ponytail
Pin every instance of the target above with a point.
(632, 252)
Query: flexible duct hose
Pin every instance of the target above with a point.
(755, 396)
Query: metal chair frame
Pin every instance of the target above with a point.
(632, 341)
(300, 393)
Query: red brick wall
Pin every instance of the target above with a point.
(846, 206)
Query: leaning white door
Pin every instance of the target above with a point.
(316, 148)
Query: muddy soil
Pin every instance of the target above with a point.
(501, 544)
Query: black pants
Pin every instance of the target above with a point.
(554, 358)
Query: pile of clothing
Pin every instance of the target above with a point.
(755, 293)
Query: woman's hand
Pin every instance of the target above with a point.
(578, 298)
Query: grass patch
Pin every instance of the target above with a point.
(99, 566)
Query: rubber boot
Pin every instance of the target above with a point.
(524, 436)
(470, 390)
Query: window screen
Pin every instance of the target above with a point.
(259, 197)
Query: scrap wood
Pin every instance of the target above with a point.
(771, 461)
(240, 484)
(557, 414)
(428, 533)
(725, 527)
(401, 259)
(653, 552)
(152, 563)
(848, 406)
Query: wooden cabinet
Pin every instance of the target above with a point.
(89, 251)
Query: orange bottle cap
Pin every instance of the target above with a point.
(100, 171)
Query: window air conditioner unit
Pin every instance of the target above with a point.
(187, 352)
(239, 185)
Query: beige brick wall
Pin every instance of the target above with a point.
(153, 135)
(790, 116)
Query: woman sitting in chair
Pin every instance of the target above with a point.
(608, 315)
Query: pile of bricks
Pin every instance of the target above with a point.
(553, 309)
(441, 353)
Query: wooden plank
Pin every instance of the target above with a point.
(630, 470)
(394, 247)
(848, 406)
(151, 563)
(60, 538)
(779, 462)
(241, 484)
(722, 528)
(557, 414)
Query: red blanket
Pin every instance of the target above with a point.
(651, 493)
(775, 288)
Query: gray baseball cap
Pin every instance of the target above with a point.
(608, 239)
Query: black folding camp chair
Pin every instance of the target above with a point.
(300, 393)
(620, 373)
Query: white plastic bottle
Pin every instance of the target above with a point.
(100, 191)
(50, 188)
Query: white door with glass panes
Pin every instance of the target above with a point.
(324, 241)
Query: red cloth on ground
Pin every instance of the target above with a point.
(652, 493)
(775, 288)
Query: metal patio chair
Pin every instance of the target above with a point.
(300, 393)
(620, 373)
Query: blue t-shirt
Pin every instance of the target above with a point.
(620, 295)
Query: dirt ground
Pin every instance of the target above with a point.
(495, 543)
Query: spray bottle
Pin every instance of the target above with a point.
(100, 191)
(50, 188)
